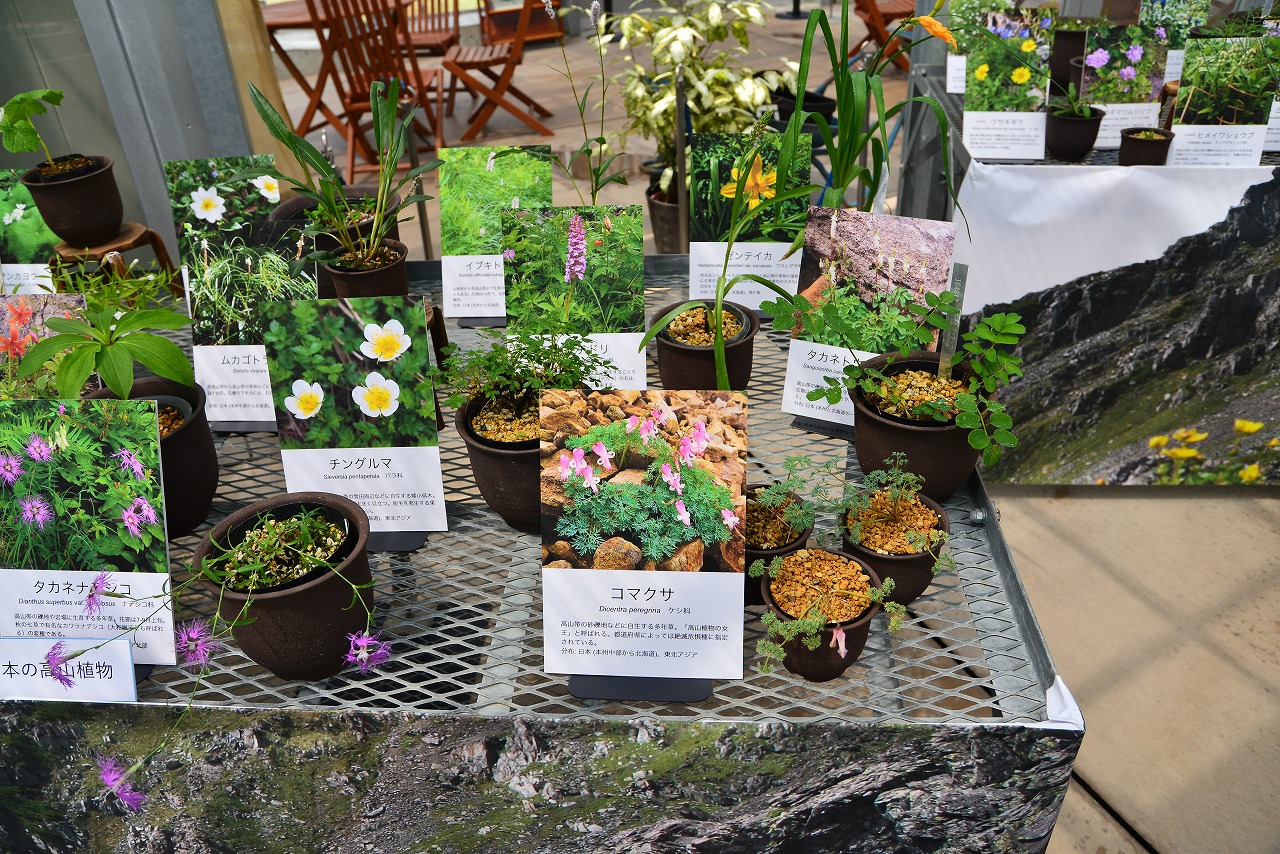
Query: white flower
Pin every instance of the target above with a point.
(378, 395)
(515, 203)
(268, 188)
(488, 164)
(306, 399)
(207, 204)
(384, 343)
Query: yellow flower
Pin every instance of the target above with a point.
(1020, 75)
(933, 28)
(1247, 427)
(1157, 441)
(759, 184)
(1181, 453)
(980, 73)
(1028, 45)
(1187, 434)
(1250, 473)
(1273, 443)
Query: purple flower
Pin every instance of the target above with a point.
(116, 780)
(10, 469)
(62, 409)
(131, 521)
(145, 511)
(35, 511)
(1134, 53)
(508, 254)
(1161, 34)
(1127, 73)
(368, 651)
(1046, 23)
(93, 602)
(1024, 33)
(575, 262)
(196, 644)
(38, 449)
(1097, 59)
(54, 659)
(129, 463)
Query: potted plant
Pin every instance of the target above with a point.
(1071, 127)
(821, 604)
(779, 521)
(291, 577)
(1144, 146)
(367, 261)
(896, 530)
(495, 389)
(111, 342)
(77, 195)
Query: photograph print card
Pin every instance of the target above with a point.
(477, 183)
(968, 18)
(82, 533)
(354, 407)
(1224, 102)
(864, 277)
(214, 197)
(1123, 75)
(26, 243)
(714, 174)
(22, 317)
(580, 270)
(1171, 22)
(642, 507)
(1006, 85)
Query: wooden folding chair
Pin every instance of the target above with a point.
(497, 65)
(370, 42)
(880, 18)
(433, 25)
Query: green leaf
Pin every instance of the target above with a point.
(74, 370)
(1004, 437)
(42, 352)
(160, 355)
(116, 369)
(155, 318)
(978, 439)
(969, 421)
(1001, 420)
(966, 403)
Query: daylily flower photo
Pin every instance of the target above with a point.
(714, 179)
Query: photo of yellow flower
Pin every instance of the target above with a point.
(713, 185)
(1020, 76)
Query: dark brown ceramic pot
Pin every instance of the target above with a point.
(84, 210)
(389, 281)
(937, 451)
(752, 592)
(188, 458)
(825, 663)
(1136, 151)
(911, 574)
(506, 473)
(295, 210)
(664, 216)
(1066, 46)
(813, 103)
(1071, 138)
(298, 630)
(686, 366)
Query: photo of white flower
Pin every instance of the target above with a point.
(207, 204)
(378, 396)
(268, 187)
(384, 343)
(306, 399)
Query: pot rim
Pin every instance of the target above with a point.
(802, 536)
(462, 423)
(386, 241)
(861, 405)
(104, 163)
(355, 516)
(192, 394)
(943, 525)
(1165, 135)
(750, 325)
(865, 617)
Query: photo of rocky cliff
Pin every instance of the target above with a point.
(1164, 371)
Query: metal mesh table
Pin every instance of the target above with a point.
(464, 612)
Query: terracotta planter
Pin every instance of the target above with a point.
(685, 366)
(664, 216)
(911, 574)
(825, 663)
(1135, 151)
(752, 591)
(1070, 138)
(506, 473)
(389, 281)
(85, 210)
(937, 451)
(188, 458)
(298, 630)
(295, 209)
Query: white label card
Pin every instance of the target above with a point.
(236, 383)
(627, 360)
(764, 259)
(103, 675)
(26, 278)
(601, 622)
(50, 605)
(1272, 142)
(807, 365)
(956, 66)
(1004, 136)
(474, 286)
(1173, 65)
(1217, 145)
(1121, 116)
(399, 488)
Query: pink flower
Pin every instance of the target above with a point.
(508, 254)
(566, 467)
(837, 641)
(699, 438)
(116, 779)
(368, 651)
(575, 262)
(93, 602)
(632, 423)
(10, 468)
(54, 659)
(580, 463)
(682, 513)
(131, 521)
(647, 431)
(730, 520)
(656, 415)
(673, 480)
(35, 511)
(38, 449)
(603, 454)
(590, 480)
(196, 644)
(686, 454)
(129, 463)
